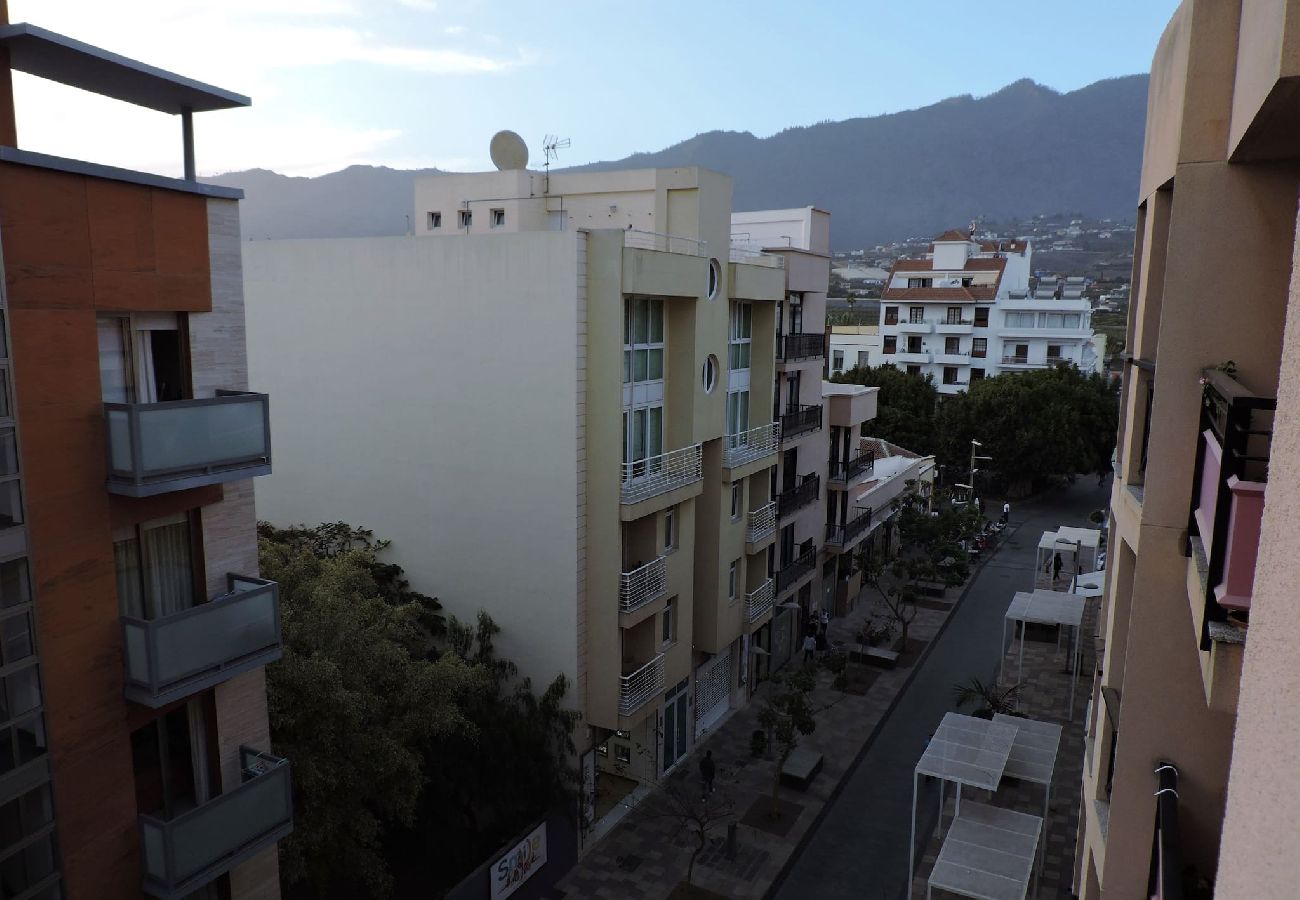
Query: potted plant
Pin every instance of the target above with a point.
(990, 698)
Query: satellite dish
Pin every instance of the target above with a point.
(508, 151)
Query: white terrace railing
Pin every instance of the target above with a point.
(646, 478)
(762, 523)
(760, 601)
(665, 242)
(640, 686)
(643, 585)
(753, 444)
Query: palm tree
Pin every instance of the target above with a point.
(992, 699)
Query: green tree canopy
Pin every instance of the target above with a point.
(905, 413)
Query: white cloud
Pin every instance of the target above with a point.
(455, 30)
(421, 5)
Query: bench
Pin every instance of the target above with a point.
(802, 766)
(931, 589)
(882, 656)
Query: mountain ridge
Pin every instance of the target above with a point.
(1021, 150)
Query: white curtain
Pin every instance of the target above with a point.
(130, 589)
(169, 577)
(115, 379)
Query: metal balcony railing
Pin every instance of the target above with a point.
(750, 445)
(802, 346)
(754, 256)
(178, 655)
(662, 241)
(190, 850)
(844, 535)
(1227, 504)
(796, 569)
(807, 417)
(847, 470)
(640, 686)
(762, 523)
(646, 478)
(154, 448)
(760, 601)
(1014, 360)
(799, 496)
(643, 585)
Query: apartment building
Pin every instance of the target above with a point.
(134, 754)
(607, 485)
(800, 238)
(965, 312)
(853, 347)
(1190, 774)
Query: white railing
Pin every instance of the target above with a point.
(762, 523)
(752, 444)
(760, 601)
(646, 478)
(661, 240)
(754, 256)
(643, 584)
(639, 687)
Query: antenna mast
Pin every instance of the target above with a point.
(551, 145)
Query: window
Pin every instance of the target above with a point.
(952, 346)
(170, 762)
(709, 375)
(643, 373)
(967, 281)
(155, 572)
(891, 315)
(920, 282)
(731, 582)
(837, 360)
(979, 347)
(914, 343)
(465, 218)
(949, 374)
(913, 370)
(916, 314)
(22, 726)
(982, 317)
(737, 499)
(864, 359)
(670, 529)
(890, 344)
(668, 622)
(435, 221)
(740, 336)
(1020, 320)
(737, 412)
(715, 278)
(141, 358)
(623, 754)
(976, 374)
(497, 218)
(1053, 351)
(954, 316)
(29, 852)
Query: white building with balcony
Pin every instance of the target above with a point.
(966, 311)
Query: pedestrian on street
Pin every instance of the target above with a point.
(809, 648)
(1057, 563)
(707, 771)
(1006, 511)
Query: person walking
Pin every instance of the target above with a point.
(1006, 511)
(707, 771)
(809, 648)
(1057, 563)
(826, 620)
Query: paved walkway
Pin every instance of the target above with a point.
(859, 847)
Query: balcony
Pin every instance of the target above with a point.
(762, 523)
(802, 346)
(915, 327)
(760, 601)
(796, 569)
(951, 387)
(843, 536)
(643, 585)
(1022, 362)
(646, 478)
(641, 685)
(804, 418)
(751, 445)
(952, 359)
(954, 326)
(155, 448)
(190, 850)
(913, 356)
(176, 656)
(1227, 506)
(799, 496)
(844, 472)
(664, 242)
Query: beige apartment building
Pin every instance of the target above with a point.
(1191, 772)
(566, 410)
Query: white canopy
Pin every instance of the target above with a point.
(1044, 607)
(988, 854)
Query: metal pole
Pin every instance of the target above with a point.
(911, 845)
(187, 140)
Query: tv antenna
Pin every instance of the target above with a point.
(552, 144)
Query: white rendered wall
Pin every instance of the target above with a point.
(426, 389)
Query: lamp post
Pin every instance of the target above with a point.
(975, 445)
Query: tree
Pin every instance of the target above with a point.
(788, 714)
(990, 698)
(679, 802)
(351, 703)
(905, 412)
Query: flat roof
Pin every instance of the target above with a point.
(113, 173)
(45, 54)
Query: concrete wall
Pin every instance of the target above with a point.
(385, 414)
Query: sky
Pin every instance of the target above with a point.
(416, 83)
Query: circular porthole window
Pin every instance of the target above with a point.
(710, 374)
(715, 277)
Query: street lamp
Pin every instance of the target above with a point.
(975, 445)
